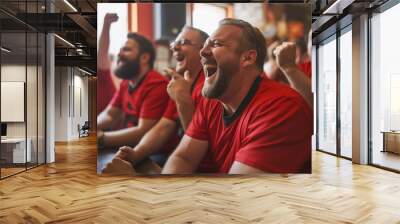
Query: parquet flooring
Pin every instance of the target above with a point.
(9, 171)
(388, 159)
(69, 191)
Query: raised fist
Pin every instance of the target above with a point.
(285, 55)
(110, 18)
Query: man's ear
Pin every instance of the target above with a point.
(144, 58)
(249, 58)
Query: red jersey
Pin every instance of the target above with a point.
(172, 113)
(271, 131)
(105, 89)
(146, 99)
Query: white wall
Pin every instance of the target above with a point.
(61, 103)
(71, 94)
(16, 73)
(80, 101)
(12, 73)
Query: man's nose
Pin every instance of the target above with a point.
(174, 47)
(205, 51)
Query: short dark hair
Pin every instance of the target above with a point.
(145, 46)
(203, 35)
(252, 38)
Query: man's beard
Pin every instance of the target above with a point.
(128, 70)
(218, 88)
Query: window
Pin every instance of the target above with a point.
(327, 96)
(385, 88)
(206, 16)
(346, 93)
(22, 76)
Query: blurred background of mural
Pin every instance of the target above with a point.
(162, 22)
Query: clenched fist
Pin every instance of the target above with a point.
(286, 55)
(110, 18)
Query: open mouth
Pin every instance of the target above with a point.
(209, 70)
(121, 61)
(179, 57)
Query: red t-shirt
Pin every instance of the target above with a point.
(148, 100)
(306, 68)
(172, 113)
(105, 89)
(271, 133)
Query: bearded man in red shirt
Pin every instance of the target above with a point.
(139, 102)
(184, 90)
(248, 123)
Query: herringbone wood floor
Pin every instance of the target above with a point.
(70, 191)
